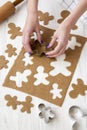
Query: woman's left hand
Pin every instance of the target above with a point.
(60, 37)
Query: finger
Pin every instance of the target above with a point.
(38, 35)
(58, 54)
(62, 43)
(26, 42)
(52, 42)
(51, 53)
(56, 50)
(62, 51)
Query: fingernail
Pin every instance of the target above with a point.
(42, 42)
(47, 45)
(46, 55)
(30, 53)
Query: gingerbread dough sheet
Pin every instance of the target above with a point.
(46, 78)
(27, 82)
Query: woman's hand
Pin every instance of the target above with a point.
(62, 33)
(31, 25)
(60, 36)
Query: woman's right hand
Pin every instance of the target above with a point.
(31, 25)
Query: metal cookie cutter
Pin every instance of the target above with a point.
(80, 118)
(46, 113)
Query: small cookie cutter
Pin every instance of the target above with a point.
(78, 115)
(40, 49)
(46, 112)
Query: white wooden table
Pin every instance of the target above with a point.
(15, 120)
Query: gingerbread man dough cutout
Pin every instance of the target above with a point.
(80, 88)
(14, 31)
(64, 14)
(45, 17)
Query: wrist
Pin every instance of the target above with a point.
(75, 15)
(67, 24)
(70, 21)
(32, 6)
(32, 12)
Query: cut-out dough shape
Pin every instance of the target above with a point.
(60, 66)
(78, 89)
(45, 17)
(56, 92)
(64, 14)
(40, 49)
(27, 59)
(14, 31)
(41, 77)
(72, 44)
(20, 77)
(3, 62)
(11, 50)
(26, 105)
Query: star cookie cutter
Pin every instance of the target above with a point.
(46, 113)
(79, 116)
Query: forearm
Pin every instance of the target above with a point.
(32, 6)
(75, 15)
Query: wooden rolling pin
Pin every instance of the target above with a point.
(8, 9)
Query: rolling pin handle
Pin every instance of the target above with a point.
(16, 2)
